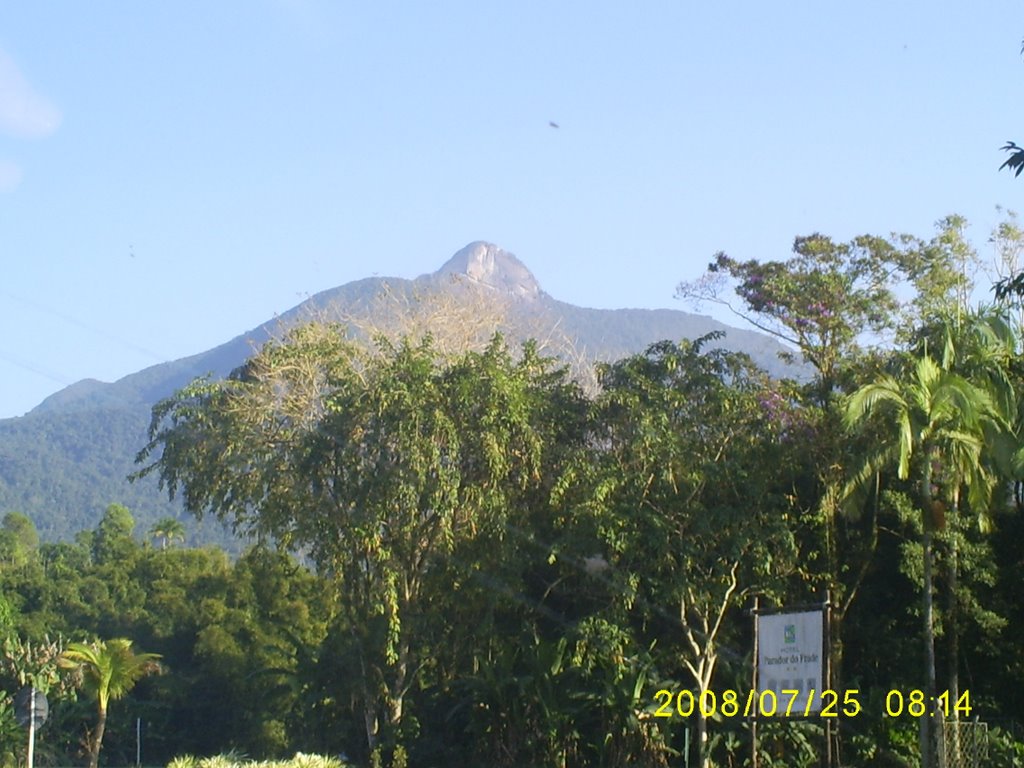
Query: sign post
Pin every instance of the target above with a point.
(753, 715)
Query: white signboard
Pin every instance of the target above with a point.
(790, 657)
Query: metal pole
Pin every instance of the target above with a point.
(138, 741)
(753, 682)
(31, 727)
(827, 657)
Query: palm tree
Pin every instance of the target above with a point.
(981, 345)
(109, 670)
(168, 530)
(938, 421)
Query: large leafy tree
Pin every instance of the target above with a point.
(829, 297)
(19, 540)
(376, 463)
(679, 487)
(109, 670)
(112, 541)
(833, 302)
(820, 300)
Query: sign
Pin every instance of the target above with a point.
(31, 706)
(791, 657)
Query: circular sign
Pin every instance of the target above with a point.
(30, 705)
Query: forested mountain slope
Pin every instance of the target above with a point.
(67, 459)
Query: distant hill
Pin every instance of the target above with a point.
(68, 458)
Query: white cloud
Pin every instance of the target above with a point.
(24, 113)
(10, 176)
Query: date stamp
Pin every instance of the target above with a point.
(826, 703)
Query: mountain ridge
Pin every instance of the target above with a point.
(483, 263)
(64, 460)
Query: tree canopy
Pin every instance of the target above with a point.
(374, 463)
(461, 556)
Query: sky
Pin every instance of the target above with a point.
(173, 174)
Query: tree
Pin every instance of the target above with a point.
(167, 530)
(19, 540)
(1007, 240)
(821, 300)
(829, 298)
(375, 463)
(113, 539)
(109, 670)
(982, 346)
(833, 301)
(936, 421)
(678, 484)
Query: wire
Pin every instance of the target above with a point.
(38, 307)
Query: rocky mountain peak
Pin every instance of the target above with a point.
(487, 264)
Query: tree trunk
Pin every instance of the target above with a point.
(394, 704)
(702, 644)
(700, 738)
(953, 611)
(97, 739)
(954, 628)
(371, 723)
(396, 700)
(928, 729)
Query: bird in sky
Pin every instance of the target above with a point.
(553, 124)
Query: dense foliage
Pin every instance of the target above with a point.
(464, 559)
(63, 462)
(64, 468)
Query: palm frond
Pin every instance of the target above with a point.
(1015, 162)
(868, 398)
(852, 493)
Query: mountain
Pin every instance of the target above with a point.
(488, 265)
(67, 459)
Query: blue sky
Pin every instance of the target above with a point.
(173, 174)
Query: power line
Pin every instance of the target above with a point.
(28, 366)
(47, 310)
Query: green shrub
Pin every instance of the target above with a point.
(236, 759)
